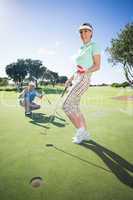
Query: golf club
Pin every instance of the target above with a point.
(77, 157)
(52, 116)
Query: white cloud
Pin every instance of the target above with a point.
(49, 52)
(46, 52)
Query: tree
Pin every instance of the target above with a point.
(23, 67)
(62, 79)
(54, 77)
(121, 51)
(35, 69)
(17, 71)
(50, 76)
(3, 81)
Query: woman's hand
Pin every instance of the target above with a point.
(68, 83)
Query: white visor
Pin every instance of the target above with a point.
(85, 27)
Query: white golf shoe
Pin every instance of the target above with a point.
(80, 136)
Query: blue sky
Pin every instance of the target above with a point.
(47, 30)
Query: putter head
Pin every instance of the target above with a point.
(49, 145)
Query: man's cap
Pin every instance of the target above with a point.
(32, 83)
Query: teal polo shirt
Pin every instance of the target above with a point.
(86, 53)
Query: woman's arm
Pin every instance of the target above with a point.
(96, 64)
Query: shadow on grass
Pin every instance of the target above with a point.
(79, 158)
(118, 165)
(40, 118)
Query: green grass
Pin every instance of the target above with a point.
(99, 170)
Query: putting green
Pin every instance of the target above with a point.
(101, 169)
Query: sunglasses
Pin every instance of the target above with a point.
(85, 30)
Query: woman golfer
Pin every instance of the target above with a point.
(87, 61)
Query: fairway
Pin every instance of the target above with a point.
(101, 169)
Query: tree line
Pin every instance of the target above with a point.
(32, 70)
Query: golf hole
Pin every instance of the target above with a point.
(36, 182)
